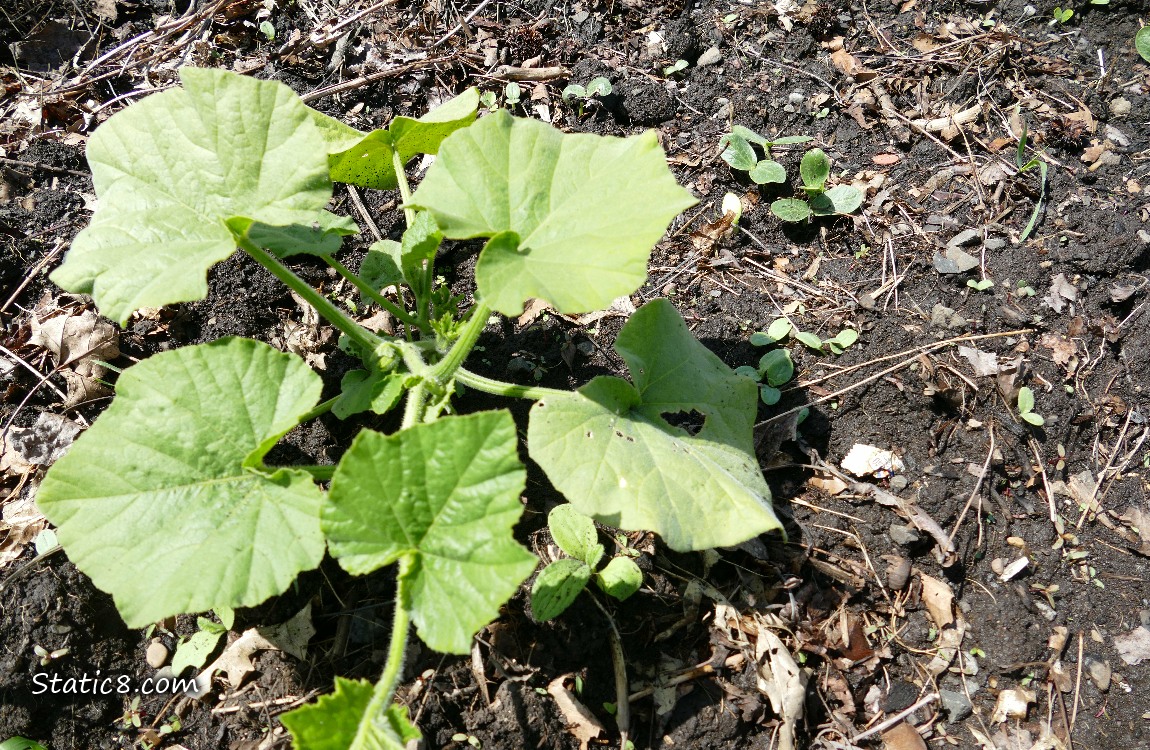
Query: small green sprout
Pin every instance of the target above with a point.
(1061, 15)
(131, 718)
(470, 739)
(674, 68)
(1024, 289)
(47, 657)
(1025, 165)
(268, 30)
(558, 584)
(981, 285)
(489, 101)
(781, 328)
(20, 743)
(512, 93)
(740, 154)
(814, 170)
(1142, 42)
(584, 94)
(1026, 407)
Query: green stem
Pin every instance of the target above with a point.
(404, 188)
(445, 369)
(375, 296)
(320, 473)
(385, 688)
(500, 388)
(357, 333)
(413, 410)
(319, 410)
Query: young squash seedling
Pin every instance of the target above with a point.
(815, 169)
(1026, 407)
(586, 94)
(781, 328)
(740, 154)
(167, 501)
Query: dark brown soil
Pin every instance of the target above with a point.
(867, 642)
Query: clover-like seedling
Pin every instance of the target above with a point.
(675, 67)
(781, 328)
(981, 285)
(558, 584)
(512, 93)
(815, 169)
(739, 152)
(1061, 15)
(585, 94)
(1026, 407)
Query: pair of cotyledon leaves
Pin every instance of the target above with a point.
(183, 174)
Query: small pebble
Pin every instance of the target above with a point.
(1099, 673)
(955, 704)
(711, 57)
(898, 483)
(897, 572)
(157, 654)
(796, 98)
(997, 565)
(904, 536)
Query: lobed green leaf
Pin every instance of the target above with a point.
(585, 210)
(339, 721)
(179, 516)
(611, 451)
(442, 497)
(170, 170)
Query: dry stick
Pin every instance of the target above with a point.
(1077, 686)
(31, 275)
(459, 26)
(1037, 451)
(358, 203)
(974, 493)
(896, 718)
(619, 662)
(45, 167)
(1102, 475)
(355, 83)
(925, 349)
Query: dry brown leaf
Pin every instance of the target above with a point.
(77, 341)
(1133, 647)
(782, 681)
(902, 736)
(1011, 704)
(20, 522)
(1062, 349)
(886, 160)
(849, 65)
(925, 43)
(532, 311)
(581, 723)
(236, 660)
(831, 485)
(939, 600)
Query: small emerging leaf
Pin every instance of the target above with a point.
(1033, 418)
(776, 365)
(768, 172)
(779, 329)
(195, 651)
(748, 371)
(361, 390)
(814, 169)
(845, 338)
(738, 153)
(1025, 400)
(845, 198)
(599, 87)
(770, 395)
(1141, 42)
(574, 90)
(790, 140)
(791, 209)
(556, 586)
(339, 721)
(575, 534)
(809, 340)
(620, 579)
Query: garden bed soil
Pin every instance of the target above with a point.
(854, 592)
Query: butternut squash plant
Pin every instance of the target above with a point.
(167, 501)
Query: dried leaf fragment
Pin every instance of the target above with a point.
(581, 723)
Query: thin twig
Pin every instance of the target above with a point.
(896, 718)
(974, 493)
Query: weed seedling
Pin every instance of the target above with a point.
(781, 328)
(1026, 407)
(1025, 165)
(1061, 15)
(739, 152)
(558, 584)
(20, 743)
(981, 285)
(674, 68)
(814, 170)
(511, 94)
(586, 94)
(1142, 42)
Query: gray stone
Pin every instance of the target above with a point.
(956, 705)
(711, 57)
(898, 483)
(902, 535)
(965, 238)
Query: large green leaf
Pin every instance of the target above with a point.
(163, 501)
(610, 449)
(339, 721)
(576, 215)
(442, 496)
(366, 159)
(170, 170)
